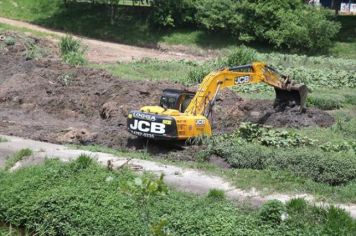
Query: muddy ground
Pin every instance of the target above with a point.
(46, 100)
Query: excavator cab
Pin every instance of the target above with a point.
(176, 99)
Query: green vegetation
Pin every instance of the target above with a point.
(216, 194)
(319, 73)
(5, 27)
(16, 157)
(253, 147)
(267, 180)
(82, 198)
(132, 25)
(72, 52)
(150, 69)
(3, 139)
(346, 45)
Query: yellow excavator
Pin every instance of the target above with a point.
(182, 114)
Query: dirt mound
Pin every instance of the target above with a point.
(46, 100)
(262, 112)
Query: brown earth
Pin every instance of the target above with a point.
(50, 101)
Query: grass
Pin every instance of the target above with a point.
(72, 51)
(6, 27)
(346, 42)
(83, 198)
(3, 139)
(16, 157)
(150, 69)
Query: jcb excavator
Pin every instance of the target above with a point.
(183, 115)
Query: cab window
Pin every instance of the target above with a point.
(168, 102)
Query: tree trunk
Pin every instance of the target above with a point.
(336, 6)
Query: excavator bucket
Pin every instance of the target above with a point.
(292, 95)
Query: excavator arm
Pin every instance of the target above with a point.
(287, 91)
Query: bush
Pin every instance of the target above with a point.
(72, 52)
(171, 13)
(241, 56)
(284, 23)
(338, 222)
(10, 41)
(250, 156)
(271, 212)
(238, 56)
(302, 30)
(335, 168)
(216, 194)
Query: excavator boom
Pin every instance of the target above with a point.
(288, 92)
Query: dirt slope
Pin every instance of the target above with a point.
(106, 52)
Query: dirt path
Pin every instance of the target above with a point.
(189, 180)
(106, 52)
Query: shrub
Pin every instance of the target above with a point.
(298, 205)
(250, 156)
(171, 13)
(72, 51)
(9, 41)
(335, 168)
(74, 58)
(81, 163)
(216, 194)
(241, 56)
(283, 23)
(302, 30)
(271, 212)
(197, 74)
(219, 15)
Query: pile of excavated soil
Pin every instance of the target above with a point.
(262, 112)
(50, 101)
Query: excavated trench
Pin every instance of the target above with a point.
(50, 101)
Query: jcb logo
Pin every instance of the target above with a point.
(242, 79)
(148, 127)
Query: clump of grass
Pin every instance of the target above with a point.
(9, 41)
(216, 194)
(3, 139)
(83, 162)
(325, 102)
(72, 51)
(16, 157)
(66, 79)
(33, 51)
(272, 212)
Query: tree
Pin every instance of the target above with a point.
(336, 4)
